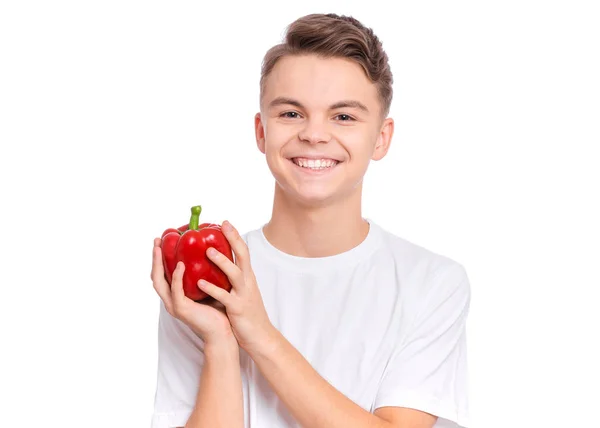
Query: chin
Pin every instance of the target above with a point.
(314, 200)
(310, 191)
(312, 197)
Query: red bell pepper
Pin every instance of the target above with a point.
(188, 243)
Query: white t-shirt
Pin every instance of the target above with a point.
(384, 323)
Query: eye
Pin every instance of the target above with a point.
(289, 115)
(345, 118)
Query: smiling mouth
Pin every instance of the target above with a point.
(315, 164)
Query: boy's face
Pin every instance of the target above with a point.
(299, 120)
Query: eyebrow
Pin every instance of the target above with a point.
(340, 104)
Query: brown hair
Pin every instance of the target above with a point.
(331, 35)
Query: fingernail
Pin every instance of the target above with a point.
(211, 251)
(227, 226)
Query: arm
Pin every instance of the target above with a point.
(310, 399)
(220, 399)
(313, 401)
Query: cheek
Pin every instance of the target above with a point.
(360, 148)
(276, 137)
(274, 148)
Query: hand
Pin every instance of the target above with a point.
(207, 320)
(243, 304)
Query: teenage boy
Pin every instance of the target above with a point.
(332, 320)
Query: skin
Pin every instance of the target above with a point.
(316, 217)
(313, 216)
(221, 375)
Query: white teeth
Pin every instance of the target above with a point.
(315, 164)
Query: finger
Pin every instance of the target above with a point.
(239, 247)
(214, 303)
(215, 292)
(158, 277)
(233, 272)
(177, 294)
(158, 270)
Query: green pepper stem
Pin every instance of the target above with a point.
(195, 218)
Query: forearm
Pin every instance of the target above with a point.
(310, 399)
(221, 378)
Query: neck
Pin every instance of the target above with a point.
(316, 231)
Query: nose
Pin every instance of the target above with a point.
(315, 131)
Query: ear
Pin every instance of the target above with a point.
(259, 130)
(384, 139)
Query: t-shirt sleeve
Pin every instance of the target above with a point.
(428, 370)
(180, 361)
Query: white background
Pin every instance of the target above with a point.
(117, 116)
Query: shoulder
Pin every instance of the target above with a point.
(250, 235)
(431, 271)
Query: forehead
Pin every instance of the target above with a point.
(318, 81)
